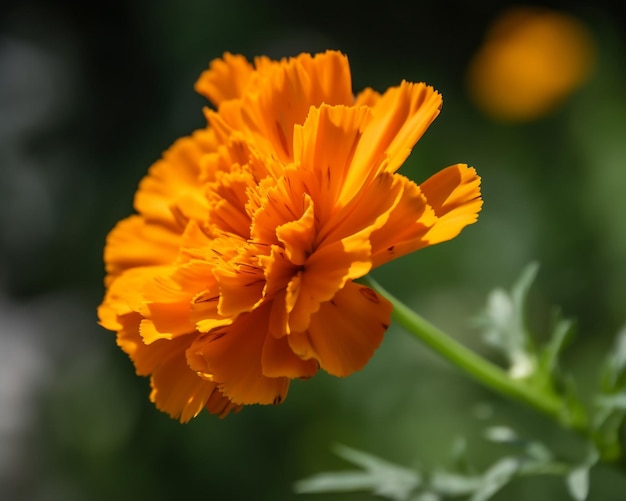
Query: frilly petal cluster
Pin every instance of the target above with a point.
(237, 273)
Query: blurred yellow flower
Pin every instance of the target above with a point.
(532, 59)
(237, 274)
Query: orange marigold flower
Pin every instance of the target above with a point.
(237, 274)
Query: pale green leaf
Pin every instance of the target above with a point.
(501, 434)
(337, 481)
(612, 402)
(561, 334)
(577, 480)
(578, 483)
(504, 327)
(379, 476)
(427, 496)
(615, 366)
(454, 484)
(496, 477)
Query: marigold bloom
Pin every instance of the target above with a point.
(531, 60)
(237, 274)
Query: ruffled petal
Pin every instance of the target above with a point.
(297, 236)
(325, 145)
(279, 360)
(176, 389)
(400, 117)
(232, 355)
(241, 282)
(406, 226)
(345, 332)
(134, 242)
(288, 93)
(454, 195)
(326, 271)
(226, 78)
(171, 192)
(125, 294)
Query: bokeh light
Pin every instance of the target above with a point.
(531, 60)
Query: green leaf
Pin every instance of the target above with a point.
(454, 484)
(426, 496)
(615, 366)
(501, 434)
(578, 483)
(496, 477)
(380, 477)
(504, 326)
(562, 332)
(459, 460)
(612, 402)
(339, 481)
(481, 487)
(577, 480)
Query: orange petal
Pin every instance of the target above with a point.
(232, 355)
(176, 389)
(227, 198)
(133, 242)
(278, 270)
(279, 360)
(297, 236)
(225, 79)
(326, 271)
(204, 312)
(326, 145)
(241, 282)
(174, 181)
(278, 315)
(167, 320)
(345, 332)
(331, 81)
(454, 195)
(367, 97)
(287, 94)
(177, 303)
(125, 294)
(400, 117)
(404, 230)
(368, 210)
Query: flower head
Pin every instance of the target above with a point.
(237, 273)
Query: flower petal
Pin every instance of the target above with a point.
(325, 145)
(297, 236)
(241, 283)
(404, 230)
(345, 332)
(176, 389)
(326, 272)
(172, 183)
(125, 294)
(134, 243)
(232, 356)
(279, 360)
(288, 93)
(454, 195)
(225, 79)
(400, 117)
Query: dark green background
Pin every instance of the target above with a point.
(89, 98)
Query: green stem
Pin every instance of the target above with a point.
(481, 369)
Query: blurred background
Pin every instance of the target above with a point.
(91, 95)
